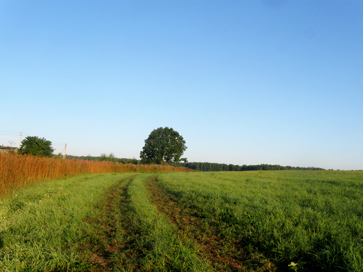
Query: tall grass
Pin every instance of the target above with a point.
(21, 170)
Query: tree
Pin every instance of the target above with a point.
(36, 146)
(110, 157)
(164, 145)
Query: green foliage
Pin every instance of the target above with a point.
(103, 157)
(164, 145)
(36, 146)
(207, 166)
(110, 157)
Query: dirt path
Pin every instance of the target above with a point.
(111, 244)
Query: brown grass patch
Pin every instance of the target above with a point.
(21, 170)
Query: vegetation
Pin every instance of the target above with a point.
(111, 157)
(36, 146)
(207, 166)
(152, 242)
(21, 170)
(163, 146)
(191, 221)
(42, 227)
(91, 223)
(312, 219)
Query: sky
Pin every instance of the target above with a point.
(244, 82)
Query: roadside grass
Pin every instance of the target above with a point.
(310, 219)
(43, 225)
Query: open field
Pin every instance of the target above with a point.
(186, 221)
(17, 171)
(313, 219)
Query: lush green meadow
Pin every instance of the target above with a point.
(191, 221)
(310, 219)
(42, 226)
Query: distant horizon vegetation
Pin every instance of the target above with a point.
(199, 166)
(166, 146)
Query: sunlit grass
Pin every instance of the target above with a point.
(314, 219)
(167, 250)
(41, 227)
(93, 222)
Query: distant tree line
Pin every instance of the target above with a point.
(103, 157)
(207, 166)
(163, 146)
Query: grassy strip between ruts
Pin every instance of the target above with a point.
(42, 226)
(224, 255)
(129, 234)
(168, 250)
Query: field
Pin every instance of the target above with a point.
(186, 221)
(17, 171)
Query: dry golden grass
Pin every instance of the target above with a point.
(21, 170)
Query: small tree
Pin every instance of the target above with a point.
(164, 145)
(110, 157)
(36, 146)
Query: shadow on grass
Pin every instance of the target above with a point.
(1, 243)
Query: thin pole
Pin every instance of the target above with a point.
(65, 152)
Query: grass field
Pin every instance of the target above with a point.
(186, 221)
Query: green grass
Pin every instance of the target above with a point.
(221, 221)
(42, 226)
(91, 223)
(310, 218)
(165, 249)
(223, 254)
(129, 234)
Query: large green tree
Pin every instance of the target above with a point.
(36, 146)
(164, 145)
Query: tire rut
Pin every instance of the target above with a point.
(106, 250)
(224, 255)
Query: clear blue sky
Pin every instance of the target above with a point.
(244, 82)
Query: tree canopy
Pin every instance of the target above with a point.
(36, 146)
(164, 145)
